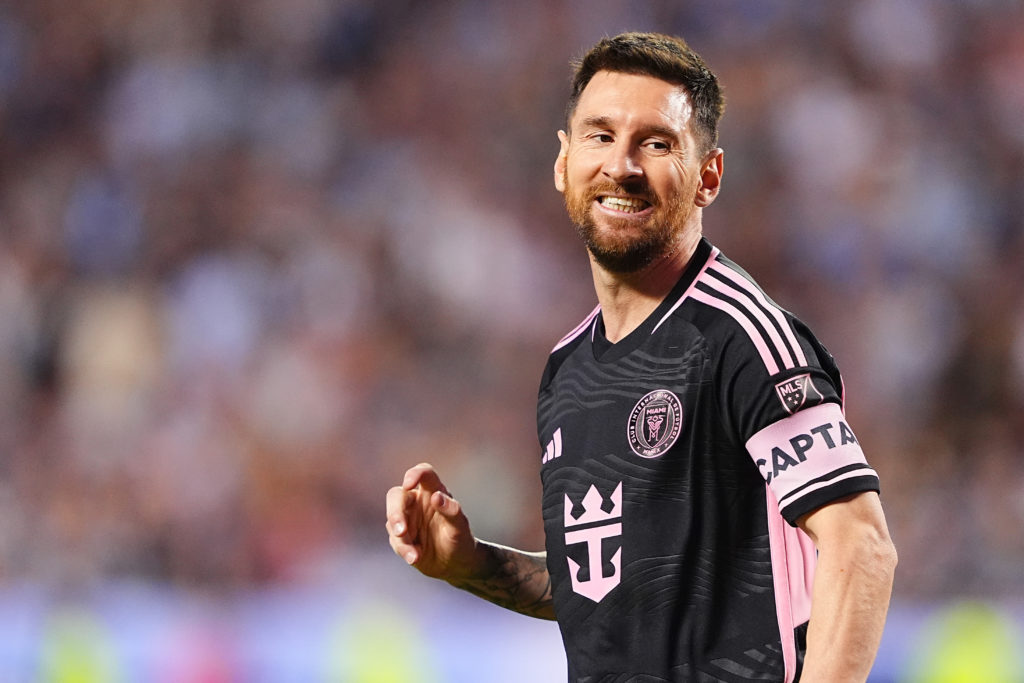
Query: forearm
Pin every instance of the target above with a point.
(514, 579)
(852, 587)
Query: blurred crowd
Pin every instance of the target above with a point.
(257, 257)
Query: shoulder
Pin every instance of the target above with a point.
(567, 344)
(737, 316)
(765, 362)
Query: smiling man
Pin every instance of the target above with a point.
(709, 513)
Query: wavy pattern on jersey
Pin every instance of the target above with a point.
(756, 665)
(655, 582)
(753, 570)
(759, 664)
(597, 384)
(654, 481)
(624, 678)
(643, 364)
(580, 386)
(567, 478)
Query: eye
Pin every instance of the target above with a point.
(657, 145)
(602, 137)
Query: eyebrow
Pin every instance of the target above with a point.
(595, 122)
(606, 122)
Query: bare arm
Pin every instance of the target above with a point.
(514, 579)
(427, 528)
(852, 586)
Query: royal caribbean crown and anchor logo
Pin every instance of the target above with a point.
(592, 527)
(655, 423)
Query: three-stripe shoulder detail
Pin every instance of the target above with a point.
(723, 287)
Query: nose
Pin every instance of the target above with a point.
(623, 163)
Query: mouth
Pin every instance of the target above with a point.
(628, 205)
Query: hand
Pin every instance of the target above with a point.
(427, 528)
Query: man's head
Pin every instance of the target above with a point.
(639, 161)
(667, 58)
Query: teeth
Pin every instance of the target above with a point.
(627, 204)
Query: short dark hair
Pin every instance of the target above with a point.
(655, 54)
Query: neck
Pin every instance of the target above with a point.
(627, 299)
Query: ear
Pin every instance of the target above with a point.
(563, 153)
(711, 171)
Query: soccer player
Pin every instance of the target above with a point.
(709, 513)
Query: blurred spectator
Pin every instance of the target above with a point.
(256, 258)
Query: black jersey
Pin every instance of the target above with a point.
(675, 465)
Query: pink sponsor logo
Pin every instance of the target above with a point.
(593, 527)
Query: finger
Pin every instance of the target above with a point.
(400, 509)
(406, 551)
(391, 529)
(412, 476)
(446, 505)
(425, 476)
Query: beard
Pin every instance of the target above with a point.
(617, 248)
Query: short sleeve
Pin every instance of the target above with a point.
(790, 418)
(811, 458)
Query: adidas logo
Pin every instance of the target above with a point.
(554, 447)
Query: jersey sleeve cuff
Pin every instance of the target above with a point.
(864, 480)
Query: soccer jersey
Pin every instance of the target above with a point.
(675, 466)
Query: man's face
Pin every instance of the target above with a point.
(631, 170)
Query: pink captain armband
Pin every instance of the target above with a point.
(804, 453)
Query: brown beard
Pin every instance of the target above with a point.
(627, 254)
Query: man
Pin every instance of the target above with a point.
(709, 513)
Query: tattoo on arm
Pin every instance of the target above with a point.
(515, 580)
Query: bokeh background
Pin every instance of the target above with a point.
(257, 257)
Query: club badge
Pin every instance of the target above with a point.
(655, 423)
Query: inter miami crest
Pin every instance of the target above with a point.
(797, 392)
(655, 423)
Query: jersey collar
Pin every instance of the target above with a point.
(605, 351)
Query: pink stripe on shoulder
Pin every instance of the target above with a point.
(773, 310)
(755, 337)
(689, 290)
(578, 329)
(770, 334)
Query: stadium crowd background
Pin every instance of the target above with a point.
(259, 256)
